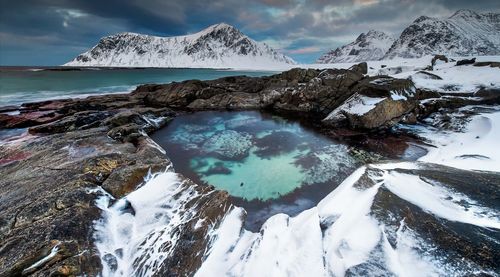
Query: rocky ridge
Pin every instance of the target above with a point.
(464, 33)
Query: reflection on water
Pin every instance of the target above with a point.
(267, 163)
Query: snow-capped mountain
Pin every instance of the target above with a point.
(367, 47)
(218, 46)
(462, 34)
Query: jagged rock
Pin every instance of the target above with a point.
(426, 94)
(319, 95)
(378, 101)
(466, 61)
(305, 90)
(360, 68)
(436, 58)
(298, 75)
(130, 132)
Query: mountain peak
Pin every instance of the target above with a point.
(217, 46)
(421, 18)
(367, 46)
(374, 33)
(219, 27)
(464, 13)
(464, 33)
(222, 25)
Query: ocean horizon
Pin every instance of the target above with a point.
(24, 84)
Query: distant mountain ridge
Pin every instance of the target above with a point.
(464, 33)
(370, 46)
(218, 46)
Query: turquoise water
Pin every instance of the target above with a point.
(22, 84)
(267, 163)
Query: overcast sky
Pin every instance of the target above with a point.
(51, 32)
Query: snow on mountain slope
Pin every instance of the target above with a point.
(367, 47)
(462, 34)
(218, 46)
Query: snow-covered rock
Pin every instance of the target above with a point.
(369, 223)
(462, 34)
(218, 46)
(367, 47)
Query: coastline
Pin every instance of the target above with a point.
(78, 145)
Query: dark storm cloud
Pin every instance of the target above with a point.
(54, 31)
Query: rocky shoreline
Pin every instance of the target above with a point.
(73, 146)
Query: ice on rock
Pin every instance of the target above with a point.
(341, 234)
(146, 237)
(474, 148)
(284, 247)
(357, 104)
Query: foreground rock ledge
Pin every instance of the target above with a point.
(46, 209)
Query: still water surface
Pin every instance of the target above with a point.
(267, 163)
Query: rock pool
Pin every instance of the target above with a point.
(267, 163)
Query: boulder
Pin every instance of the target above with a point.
(466, 62)
(491, 64)
(361, 68)
(489, 95)
(437, 58)
(377, 101)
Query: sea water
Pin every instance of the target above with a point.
(267, 163)
(28, 84)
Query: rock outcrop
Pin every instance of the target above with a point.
(377, 101)
(49, 179)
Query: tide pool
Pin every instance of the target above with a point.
(267, 163)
